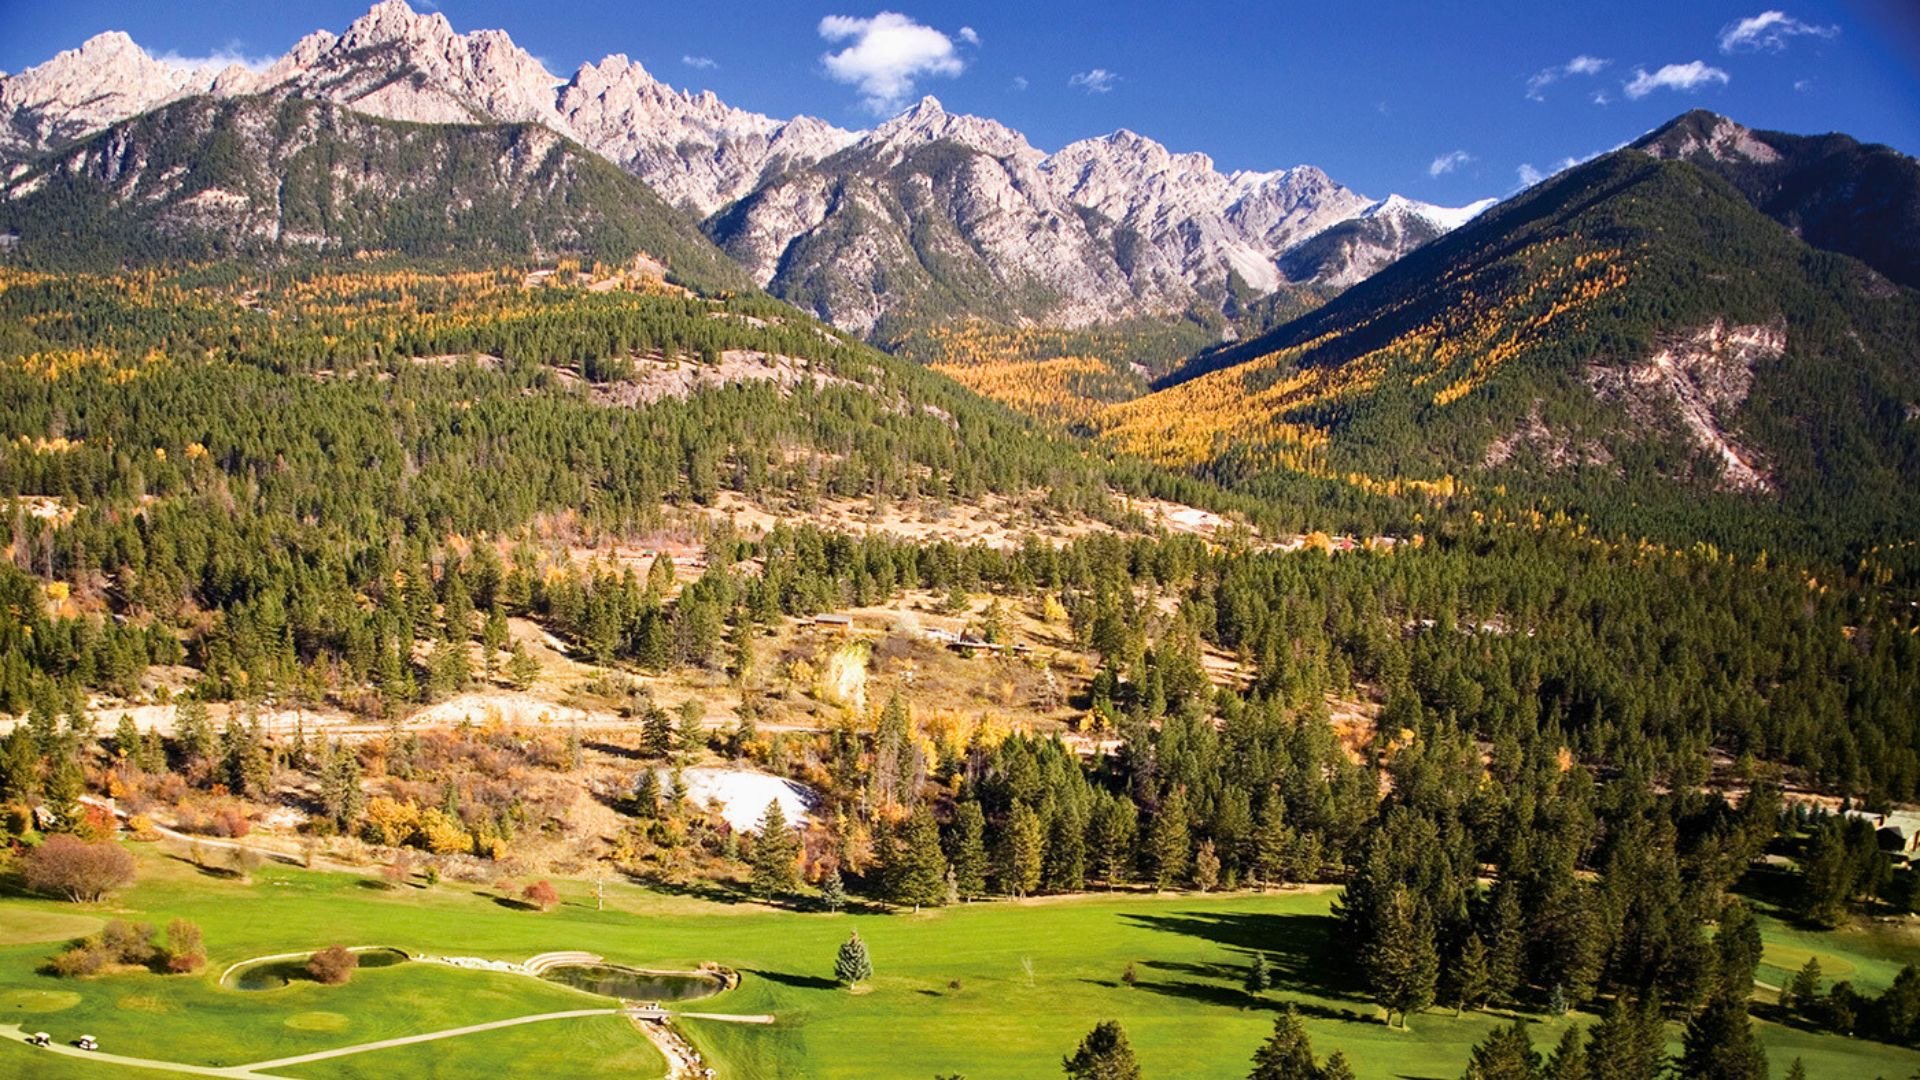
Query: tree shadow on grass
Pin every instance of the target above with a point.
(1298, 948)
(207, 871)
(715, 891)
(788, 978)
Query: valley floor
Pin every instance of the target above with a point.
(986, 990)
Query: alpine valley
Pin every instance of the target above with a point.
(538, 575)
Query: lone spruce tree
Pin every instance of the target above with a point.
(1103, 1055)
(1258, 979)
(774, 854)
(853, 966)
(1288, 1052)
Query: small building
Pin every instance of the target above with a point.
(839, 623)
(1898, 831)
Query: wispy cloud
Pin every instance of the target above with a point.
(1097, 81)
(1583, 64)
(1448, 162)
(233, 52)
(1688, 76)
(701, 63)
(969, 35)
(1020, 82)
(885, 55)
(1529, 175)
(1769, 31)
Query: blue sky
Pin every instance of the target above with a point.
(1445, 101)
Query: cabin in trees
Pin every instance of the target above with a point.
(1898, 831)
(837, 624)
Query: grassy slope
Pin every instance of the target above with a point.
(1187, 1016)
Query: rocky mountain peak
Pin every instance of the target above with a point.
(1703, 134)
(393, 21)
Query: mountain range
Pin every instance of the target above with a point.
(927, 215)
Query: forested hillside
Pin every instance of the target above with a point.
(291, 178)
(1833, 191)
(1629, 340)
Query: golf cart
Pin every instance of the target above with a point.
(87, 1042)
(39, 1038)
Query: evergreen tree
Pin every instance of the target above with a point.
(775, 851)
(1272, 842)
(340, 791)
(967, 850)
(1257, 979)
(1022, 846)
(126, 739)
(833, 892)
(919, 872)
(1627, 1043)
(1400, 961)
(1803, 993)
(692, 734)
(1170, 841)
(19, 766)
(522, 668)
(1467, 979)
(1737, 946)
(493, 637)
(1568, 1060)
(1797, 1070)
(1113, 827)
(1206, 867)
(1505, 1054)
(656, 733)
(1104, 1054)
(852, 966)
(193, 729)
(1336, 1067)
(1288, 1052)
(1507, 943)
(1720, 1043)
(458, 608)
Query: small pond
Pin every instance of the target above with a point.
(609, 980)
(274, 974)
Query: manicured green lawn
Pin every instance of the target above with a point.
(595, 1046)
(997, 990)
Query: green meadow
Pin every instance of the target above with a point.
(996, 990)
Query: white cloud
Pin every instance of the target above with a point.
(1097, 81)
(969, 35)
(1600, 98)
(885, 54)
(225, 56)
(1448, 162)
(1019, 82)
(1803, 85)
(1583, 64)
(1688, 76)
(703, 63)
(1530, 176)
(1769, 31)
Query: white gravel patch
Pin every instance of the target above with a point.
(743, 794)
